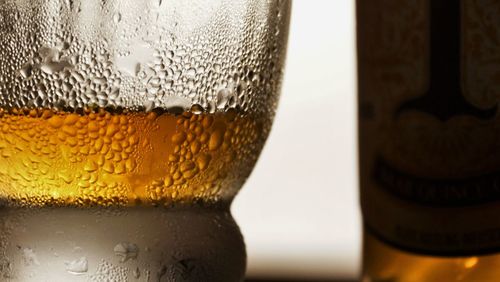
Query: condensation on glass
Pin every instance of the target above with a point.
(142, 54)
(126, 129)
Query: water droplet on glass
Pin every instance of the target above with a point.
(53, 67)
(126, 251)
(183, 270)
(177, 104)
(140, 53)
(26, 70)
(223, 96)
(77, 267)
(117, 17)
(29, 257)
(136, 273)
(191, 73)
(197, 109)
(216, 139)
(149, 106)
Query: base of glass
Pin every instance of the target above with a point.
(120, 244)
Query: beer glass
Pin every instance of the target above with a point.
(126, 129)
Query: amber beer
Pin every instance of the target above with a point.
(127, 158)
(428, 136)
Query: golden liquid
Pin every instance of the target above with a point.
(384, 263)
(105, 158)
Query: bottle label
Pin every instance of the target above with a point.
(429, 124)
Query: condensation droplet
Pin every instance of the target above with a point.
(223, 96)
(26, 70)
(53, 67)
(177, 104)
(77, 267)
(136, 273)
(197, 109)
(216, 139)
(191, 73)
(203, 161)
(126, 251)
(29, 257)
(117, 17)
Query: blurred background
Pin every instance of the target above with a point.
(299, 209)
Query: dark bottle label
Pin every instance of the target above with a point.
(429, 129)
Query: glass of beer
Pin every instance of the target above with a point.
(126, 129)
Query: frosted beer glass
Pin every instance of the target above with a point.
(126, 129)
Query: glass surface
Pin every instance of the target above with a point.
(126, 129)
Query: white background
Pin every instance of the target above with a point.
(299, 210)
